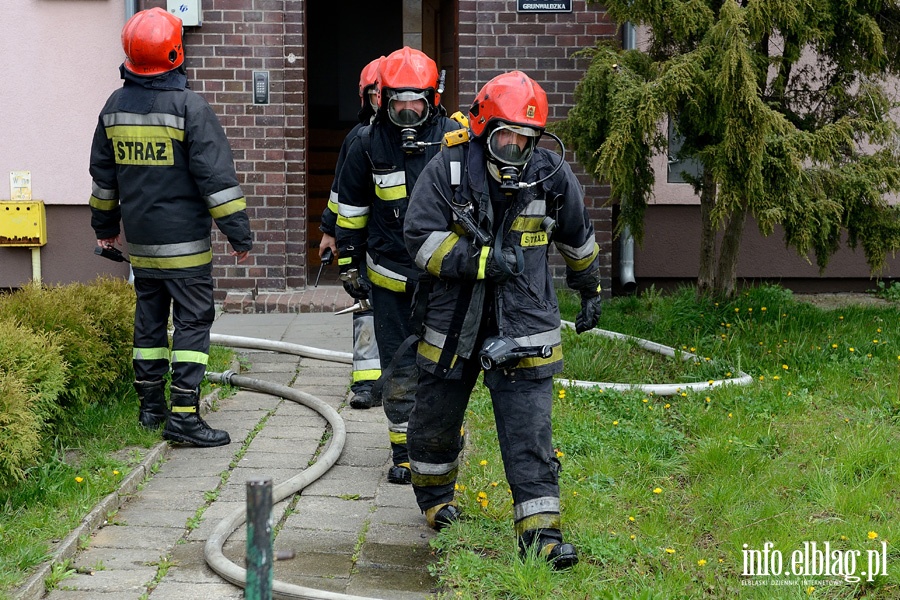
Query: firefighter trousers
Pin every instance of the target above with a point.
(522, 410)
(392, 327)
(366, 361)
(192, 308)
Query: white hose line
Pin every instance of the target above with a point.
(658, 389)
(231, 572)
(212, 551)
(235, 341)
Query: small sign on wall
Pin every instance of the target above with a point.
(20, 185)
(533, 6)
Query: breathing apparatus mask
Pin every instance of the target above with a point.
(401, 111)
(509, 148)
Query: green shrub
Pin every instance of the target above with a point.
(111, 305)
(91, 326)
(32, 375)
(20, 428)
(34, 359)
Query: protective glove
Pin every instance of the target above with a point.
(356, 286)
(359, 293)
(495, 271)
(590, 314)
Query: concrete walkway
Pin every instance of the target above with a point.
(351, 531)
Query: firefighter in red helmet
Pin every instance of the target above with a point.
(162, 168)
(480, 222)
(378, 174)
(366, 362)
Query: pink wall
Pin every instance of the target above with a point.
(61, 62)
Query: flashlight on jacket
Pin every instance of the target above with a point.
(502, 352)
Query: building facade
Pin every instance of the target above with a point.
(306, 57)
(282, 76)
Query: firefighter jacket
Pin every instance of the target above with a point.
(527, 305)
(374, 185)
(161, 164)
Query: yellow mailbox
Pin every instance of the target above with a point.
(23, 223)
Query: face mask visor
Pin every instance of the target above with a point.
(407, 108)
(512, 144)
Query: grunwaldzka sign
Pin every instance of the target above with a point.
(543, 7)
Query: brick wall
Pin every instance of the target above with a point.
(494, 38)
(268, 141)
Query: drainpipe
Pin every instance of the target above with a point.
(131, 7)
(626, 240)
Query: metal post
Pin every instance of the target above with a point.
(260, 561)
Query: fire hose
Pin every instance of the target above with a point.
(236, 575)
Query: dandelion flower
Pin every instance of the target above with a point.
(483, 463)
(785, 367)
(615, 422)
(763, 309)
(645, 401)
(632, 536)
(79, 479)
(115, 472)
(481, 495)
(560, 454)
(667, 405)
(834, 346)
(729, 415)
(810, 590)
(872, 535)
(657, 490)
(670, 551)
(702, 561)
(852, 349)
(777, 377)
(631, 519)
(494, 484)
(708, 399)
(844, 538)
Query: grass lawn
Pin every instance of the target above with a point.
(677, 496)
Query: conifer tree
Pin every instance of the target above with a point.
(785, 105)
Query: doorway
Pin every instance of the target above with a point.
(342, 38)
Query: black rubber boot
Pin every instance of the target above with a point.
(185, 424)
(548, 544)
(400, 474)
(442, 515)
(152, 395)
(364, 400)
